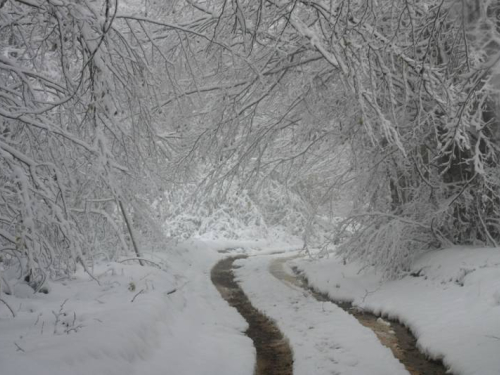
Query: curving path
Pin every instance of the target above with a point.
(324, 341)
(274, 356)
(391, 334)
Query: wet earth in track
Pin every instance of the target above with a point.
(274, 356)
(390, 333)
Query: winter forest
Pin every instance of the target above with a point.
(142, 141)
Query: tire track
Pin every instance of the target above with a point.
(391, 334)
(274, 355)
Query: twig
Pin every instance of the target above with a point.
(131, 232)
(68, 330)
(19, 349)
(487, 232)
(176, 289)
(140, 259)
(10, 308)
(141, 291)
(462, 190)
(87, 271)
(493, 337)
(367, 293)
(439, 236)
(58, 314)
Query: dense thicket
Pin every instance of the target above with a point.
(403, 93)
(118, 116)
(78, 148)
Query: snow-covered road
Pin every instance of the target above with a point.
(149, 321)
(324, 338)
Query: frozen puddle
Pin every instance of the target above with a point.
(392, 334)
(274, 356)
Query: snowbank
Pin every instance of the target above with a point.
(451, 302)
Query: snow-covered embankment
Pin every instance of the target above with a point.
(451, 302)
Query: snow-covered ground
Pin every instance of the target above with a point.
(177, 323)
(451, 302)
(324, 338)
(145, 320)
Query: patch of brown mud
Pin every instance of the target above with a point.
(392, 334)
(274, 356)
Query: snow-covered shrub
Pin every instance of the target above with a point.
(389, 244)
(419, 125)
(280, 206)
(236, 216)
(72, 148)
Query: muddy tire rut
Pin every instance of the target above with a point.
(391, 334)
(274, 356)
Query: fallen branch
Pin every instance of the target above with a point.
(140, 259)
(10, 308)
(175, 289)
(141, 291)
(131, 232)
